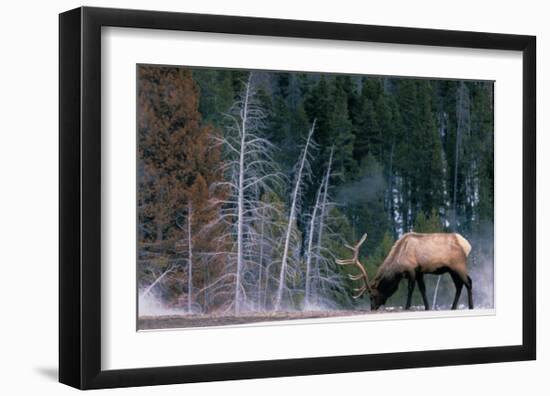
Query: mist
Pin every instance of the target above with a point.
(367, 188)
(150, 304)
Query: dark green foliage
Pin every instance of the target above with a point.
(428, 224)
(217, 93)
(339, 132)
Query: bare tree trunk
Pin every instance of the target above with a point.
(260, 262)
(190, 258)
(323, 209)
(309, 251)
(457, 145)
(266, 287)
(390, 187)
(240, 200)
(250, 170)
(291, 220)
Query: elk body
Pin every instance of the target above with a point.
(412, 256)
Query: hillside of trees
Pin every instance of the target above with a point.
(251, 183)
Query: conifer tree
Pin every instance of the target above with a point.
(177, 162)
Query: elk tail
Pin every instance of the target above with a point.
(464, 244)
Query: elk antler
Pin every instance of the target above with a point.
(355, 261)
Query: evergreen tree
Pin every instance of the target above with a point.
(428, 223)
(177, 162)
(340, 132)
(368, 139)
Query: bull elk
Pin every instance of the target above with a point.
(412, 256)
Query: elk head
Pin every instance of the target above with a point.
(365, 287)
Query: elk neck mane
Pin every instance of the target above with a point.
(385, 270)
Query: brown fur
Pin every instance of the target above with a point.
(414, 255)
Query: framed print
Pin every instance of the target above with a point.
(248, 197)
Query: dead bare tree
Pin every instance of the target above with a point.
(250, 170)
(309, 249)
(303, 167)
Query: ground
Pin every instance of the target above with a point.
(182, 321)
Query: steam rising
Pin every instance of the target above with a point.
(365, 189)
(151, 305)
(482, 268)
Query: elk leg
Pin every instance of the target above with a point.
(410, 292)
(469, 288)
(458, 285)
(467, 281)
(422, 288)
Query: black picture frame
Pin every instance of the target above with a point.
(80, 197)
